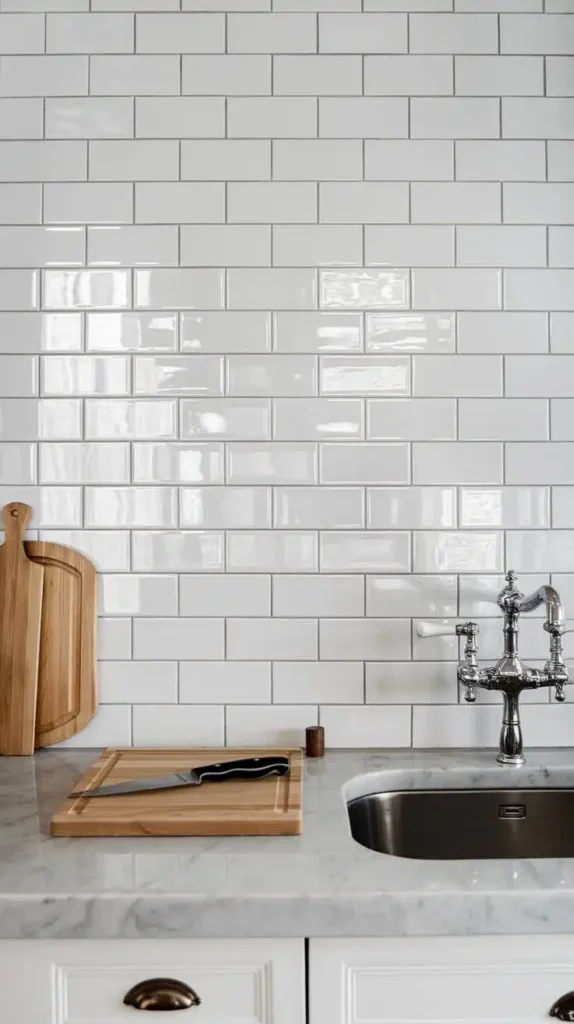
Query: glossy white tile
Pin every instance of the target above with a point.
(271, 375)
(91, 202)
(539, 376)
(271, 551)
(478, 594)
(562, 509)
(457, 289)
(42, 247)
(140, 245)
(85, 375)
(108, 550)
(91, 463)
(117, 418)
(411, 419)
(314, 596)
(457, 376)
(540, 550)
(179, 289)
(317, 332)
(514, 419)
(177, 551)
(32, 419)
(225, 595)
(274, 725)
(86, 289)
(136, 594)
(466, 462)
(319, 508)
(539, 463)
(131, 332)
(364, 639)
(230, 245)
(327, 245)
(368, 117)
(367, 726)
(413, 245)
(226, 332)
(157, 725)
(129, 507)
(226, 419)
(365, 552)
(364, 463)
(505, 508)
(89, 117)
(275, 463)
(411, 595)
(19, 289)
(221, 508)
(178, 375)
(179, 117)
(113, 726)
(365, 375)
(318, 682)
(411, 508)
(183, 462)
(502, 332)
(224, 682)
(411, 682)
(178, 639)
(18, 376)
(458, 552)
(51, 506)
(115, 639)
(410, 332)
(317, 419)
(269, 639)
(20, 203)
(361, 289)
(272, 289)
(177, 202)
(138, 682)
(226, 159)
(562, 419)
(41, 332)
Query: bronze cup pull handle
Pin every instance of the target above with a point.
(563, 1008)
(161, 994)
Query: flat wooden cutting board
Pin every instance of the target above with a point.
(263, 807)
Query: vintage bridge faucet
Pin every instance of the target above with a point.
(510, 676)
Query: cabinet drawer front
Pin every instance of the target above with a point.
(475, 980)
(84, 982)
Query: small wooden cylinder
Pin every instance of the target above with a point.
(315, 741)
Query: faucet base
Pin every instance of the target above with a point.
(515, 759)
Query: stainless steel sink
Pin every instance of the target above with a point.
(462, 824)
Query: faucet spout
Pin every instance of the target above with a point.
(547, 595)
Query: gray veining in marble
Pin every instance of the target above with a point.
(319, 884)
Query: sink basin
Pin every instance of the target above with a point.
(463, 824)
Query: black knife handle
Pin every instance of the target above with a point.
(246, 768)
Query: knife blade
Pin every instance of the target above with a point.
(244, 768)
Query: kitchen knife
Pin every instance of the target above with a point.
(245, 768)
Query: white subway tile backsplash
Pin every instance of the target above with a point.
(285, 315)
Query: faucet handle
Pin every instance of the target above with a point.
(428, 629)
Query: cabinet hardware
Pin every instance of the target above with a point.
(564, 1007)
(161, 994)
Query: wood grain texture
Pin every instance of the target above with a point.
(67, 683)
(21, 584)
(264, 807)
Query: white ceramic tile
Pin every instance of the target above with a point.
(225, 332)
(458, 552)
(540, 550)
(116, 418)
(365, 375)
(179, 289)
(411, 595)
(507, 507)
(458, 289)
(367, 726)
(271, 117)
(227, 75)
(319, 681)
(134, 160)
(559, 81)
(493, 419)
(502, 332)
(455, 118)
(225, 682)
(457, 376)
(369, 33)
(37, 332)
(114, 639)
(478, 594)
(368, 463)
(327, 75)
(183, 551)
(108, 550)
(18, 376)
(411, 419)
(562, 508)
(367, 117)
(462, 202)
(411, 682)
(85, 375)
(135, 594)
(562, 419)
(410, 332)
(456, 726)
(364, 639)
(137, 682)
(178, 639)
(410, 245)
(44, 76)
(178, 375)
(129, 507)
(184, 462)
(561, 337)
(155, 725)
(539, 463)
(86, 289)
(539, 289)
(131, 332)
(317, 419)
(180, 33)
(445, 462)
(356, 289)
(276, 463)
(268, 639)
(321, 159)
(330, 245)
(46, 247)
(19, 289)
(317, 332)
(179, 117)
(226, 419)
(112, 726)
(272, 289)
(32, 419)
(84, 463)
(226, 160)
(544, 376)
(89, 117)
(411, 508)
(225, 595)
(486, 246)
(552, 203)
(454, 33)
(133, 75)
(365, 552)
(20, 204)
(319, 508)
(132, 246)
(408, 159)
(314, 596)
(368, 201)
(261, 202)
(179, 202)
(22, 33)
(500, 161)
(275, 725)
(271, 551)
(90, 202)
(89, 33)
(51, 506)
(499, 76)
(536, 33)
(220, 508)
(559, 160)
(233, 245)
(407, 76)
(274, 375)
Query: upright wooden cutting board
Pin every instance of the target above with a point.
(21, 584)
(264, 807)
(67, 694)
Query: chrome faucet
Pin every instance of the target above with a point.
(510, 676)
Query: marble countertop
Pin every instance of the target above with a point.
(319, 884)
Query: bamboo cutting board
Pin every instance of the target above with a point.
(67, 695)
(21, 584)
(238, 807)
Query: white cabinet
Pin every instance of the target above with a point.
(239, 982)
(436, 980)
